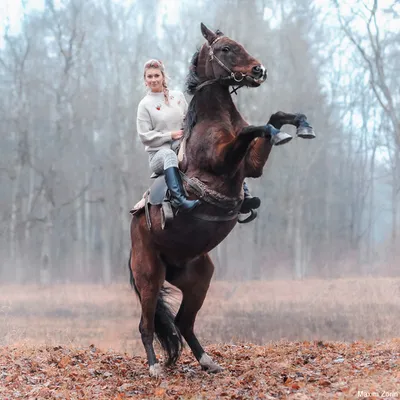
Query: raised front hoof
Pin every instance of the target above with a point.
(305, 132)
(155, 371)
(208, 365)
(280, 138)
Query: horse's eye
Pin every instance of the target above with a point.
(225, 49)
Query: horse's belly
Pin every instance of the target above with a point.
(188, 237)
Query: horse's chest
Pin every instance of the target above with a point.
(200, 154)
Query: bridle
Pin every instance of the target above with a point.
(232, 75)
(214, 57)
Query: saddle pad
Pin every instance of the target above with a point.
(157, 194)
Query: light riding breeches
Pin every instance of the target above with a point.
(163, 159)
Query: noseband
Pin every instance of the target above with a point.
(232, 75)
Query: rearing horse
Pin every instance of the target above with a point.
(221, 150)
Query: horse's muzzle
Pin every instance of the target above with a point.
(259, 74)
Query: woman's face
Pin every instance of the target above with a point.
(154, 79)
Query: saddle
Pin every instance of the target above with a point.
(157, 195)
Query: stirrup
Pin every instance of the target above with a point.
(167, 214)
(251, 217)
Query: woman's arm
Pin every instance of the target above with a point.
(149, 136)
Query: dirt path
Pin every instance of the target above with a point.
(302, 370)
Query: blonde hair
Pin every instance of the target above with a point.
(158, 64)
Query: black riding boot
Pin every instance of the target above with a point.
(175, 186)
(249, 202)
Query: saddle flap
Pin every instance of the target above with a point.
(158, 191)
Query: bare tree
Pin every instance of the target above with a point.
(378, 49)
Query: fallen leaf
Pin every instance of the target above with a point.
(64, 362)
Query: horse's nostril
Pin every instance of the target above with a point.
(257, 70)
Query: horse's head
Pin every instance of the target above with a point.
(224, 59)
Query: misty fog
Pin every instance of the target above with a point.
(72, 166)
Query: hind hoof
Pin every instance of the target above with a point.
(305, 132)
(155, 371)
(207, 364)
(214, 369)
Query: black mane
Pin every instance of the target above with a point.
(192, 81)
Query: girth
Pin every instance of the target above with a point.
(210, 196)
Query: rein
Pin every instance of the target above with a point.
(218, 80)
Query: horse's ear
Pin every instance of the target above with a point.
(209, 35)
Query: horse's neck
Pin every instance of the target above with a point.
(216, 106)
(218, 100)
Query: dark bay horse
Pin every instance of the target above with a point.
(221, 150)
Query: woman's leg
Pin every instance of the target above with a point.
(249, 202)
(165, 161)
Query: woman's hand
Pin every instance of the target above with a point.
(177, 134)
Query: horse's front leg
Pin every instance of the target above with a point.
(304, 129)
(232, 152)
(258, 153)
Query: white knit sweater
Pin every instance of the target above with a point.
(157, 120)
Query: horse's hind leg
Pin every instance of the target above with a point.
(304, 130)
(147, 278)
(149, 286)
(193, 280)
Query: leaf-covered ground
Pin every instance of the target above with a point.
(292, 370)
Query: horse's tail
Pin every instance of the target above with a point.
(166, 331)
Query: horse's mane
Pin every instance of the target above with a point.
(192, 81)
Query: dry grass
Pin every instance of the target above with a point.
(257, 312)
